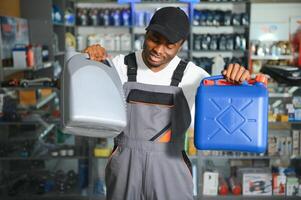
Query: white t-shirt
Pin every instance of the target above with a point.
(190, 82)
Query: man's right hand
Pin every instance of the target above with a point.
(96, 52)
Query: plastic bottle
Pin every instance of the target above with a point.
(30, 57)
(223, 188)
(235, 186)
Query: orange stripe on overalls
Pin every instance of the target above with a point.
(166, 136)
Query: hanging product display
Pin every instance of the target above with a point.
(93, 102)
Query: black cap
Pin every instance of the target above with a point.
(171, 22)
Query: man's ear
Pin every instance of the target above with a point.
(181, 45)
(180, 48)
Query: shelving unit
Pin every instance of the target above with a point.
(231, 197)
(45, 129)
(278, 128)
(42, 28)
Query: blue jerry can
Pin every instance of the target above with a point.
(232, 117)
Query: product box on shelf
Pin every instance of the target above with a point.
(292, 186)
(296, 144)
(210, 183)
(299, 142)
(125, 42)
(299, 191)
(13, 31)
(19, 57)
(255, 181)
(289, 146)
(272, 148)
(257, 184)
(279, 183)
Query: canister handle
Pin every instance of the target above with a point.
(219, 80)
(107, 61)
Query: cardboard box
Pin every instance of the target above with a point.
(279, 184)
(13, 31)
(292, 186)
(300, 143)
(210, 183)
(27, 97)
(282, 145)
(296, 145)
(289, 146)
(257, 184)
(272, 148)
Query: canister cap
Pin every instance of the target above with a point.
(261, 78)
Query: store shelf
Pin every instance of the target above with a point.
(249, 157)
(45, 158)
(223, 2)
(104, 27)
(280, 95)
(281, 57)
(58, 24)
(60, 53)
(27, 122)
(218, 29)
(139, 30)
(95, 197)
(218, 51)
(51, 196)
(35, 68)
(240, 157)
(204, 53)
(232, 197)
(70, 25)
(281, 125)
(29, 88)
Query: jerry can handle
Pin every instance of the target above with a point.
(260, 79)
(219, 80)
(107, 61)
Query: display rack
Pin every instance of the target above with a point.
(41, 32)
(46, 153)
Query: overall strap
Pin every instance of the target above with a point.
(178, 73)
(130, 61)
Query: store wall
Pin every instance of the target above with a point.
(10, 8)
(273, 19)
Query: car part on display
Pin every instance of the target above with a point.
(69, 17)
(244, 19)
(207, 17)
(103, 17)
(43, 82)
(222, 43)
(81, 17)
(93, 17)
(235, 185)
(92, 97)
(232, 117)
(219, 42)
(57, 14)
(284, 74)
(10, 109)
(213, 44)
(70, 40)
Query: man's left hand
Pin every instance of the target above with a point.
(236, 73)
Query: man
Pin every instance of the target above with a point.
(148, 162)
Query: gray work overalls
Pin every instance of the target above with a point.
(148, 162)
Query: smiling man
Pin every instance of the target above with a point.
(148, 161)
